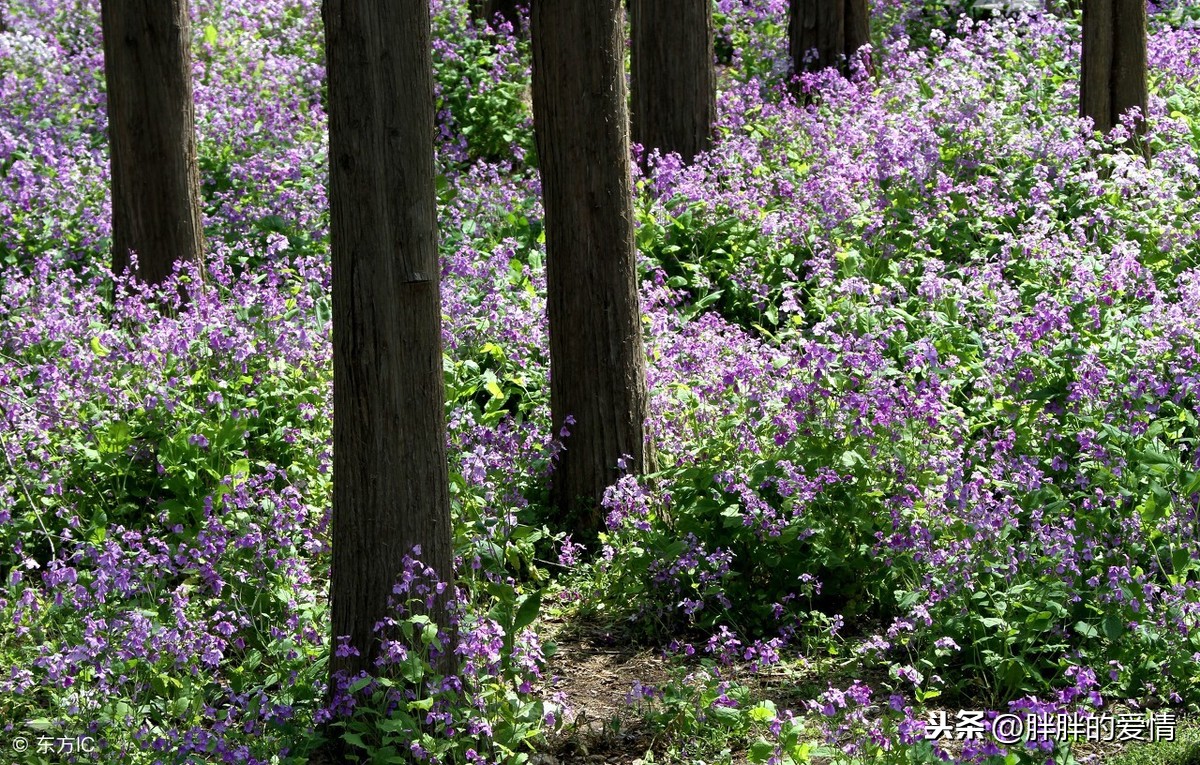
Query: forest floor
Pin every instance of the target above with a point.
(597, 670)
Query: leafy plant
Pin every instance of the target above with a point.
(412, 708)
(482, 85)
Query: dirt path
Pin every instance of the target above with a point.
(596, 671)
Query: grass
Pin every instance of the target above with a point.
(1184, 750)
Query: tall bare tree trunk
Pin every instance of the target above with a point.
(391, 489)
(597, 356)
(1113, 66)
(673, 76)
(831, 31)
(152, 136)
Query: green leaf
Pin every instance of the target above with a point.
(527, 612)
(850, 458)
(413, 669)
(1153, 456)
(1087, 630)
(39, 724)
(1181, 558)
(724, 715)
(492, 386)
(1040, 621)
(764, 711)
(761, 751)
(355, 739)
(1192, 486)
(708, 300)
(1113, 627)
(210, 34)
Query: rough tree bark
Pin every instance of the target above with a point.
(152, 136)
(1113, 66)
(834, 29)
(391, 489)
(673, 75)
(597, 356)
(858, 27)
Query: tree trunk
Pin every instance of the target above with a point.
(673, 76)
(1113, 66)
(152, 136)
(858, 28)
(824, 33)
(391, 489)
(597, 356)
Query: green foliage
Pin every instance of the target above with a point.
(751, 42)
(498, 385)
(1175, 14)
(172, 454)
(699, 716)
(1023, 608)
(135, 464)
(269, 232)
(413, 709)
(1184, 750)
(719, 260)
(482, 81)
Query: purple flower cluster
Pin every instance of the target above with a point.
(442, 715)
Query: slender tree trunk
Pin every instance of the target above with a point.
(673, 76)
(391, 489)
(1113, 66)
(824, 33)
(152, 136)
(597, 356)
